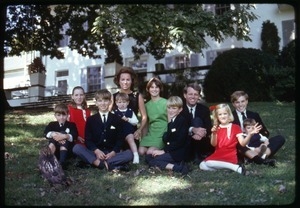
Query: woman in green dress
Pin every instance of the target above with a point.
(156, 109)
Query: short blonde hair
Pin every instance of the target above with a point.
(174, 101)
(215, 113)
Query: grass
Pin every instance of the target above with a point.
(143, 186)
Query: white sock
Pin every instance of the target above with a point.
(264, 156)
(136, 158)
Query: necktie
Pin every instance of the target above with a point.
(61, 125)
(104, 118)
(243, 116)
(191, 112)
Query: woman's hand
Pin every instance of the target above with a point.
(137, 134)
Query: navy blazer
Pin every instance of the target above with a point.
(202, 112)
(176, 138)
(67, 128)
(108, 137)
(250, 114)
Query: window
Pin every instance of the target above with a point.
(177, 62)
(62, 73)
(62, 78)
(221, 8)
(182, 62)
(138, 65)
(94, 78)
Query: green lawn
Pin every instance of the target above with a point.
(143, 186)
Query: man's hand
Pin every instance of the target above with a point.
(198, 133)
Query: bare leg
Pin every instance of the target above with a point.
(133, 147)
(142, 150)
(52, 148)
(150, 150)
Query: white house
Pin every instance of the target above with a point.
(62, 75)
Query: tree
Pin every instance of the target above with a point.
(33, 28)
(154, 27)
(270, 39)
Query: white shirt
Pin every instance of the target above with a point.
(133, 120)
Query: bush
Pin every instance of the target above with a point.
(239, 69)
(288, 54)
(283, 78)
(283, 83)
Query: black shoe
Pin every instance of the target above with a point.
(183, 168)
(82, 165)
(243, 169)
(124, 168)
(64, 166)
(269, 162)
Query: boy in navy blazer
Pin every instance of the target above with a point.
(239, 100)
(104, 137)
(175, 140)
(61, 133)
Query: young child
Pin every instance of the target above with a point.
(258, 143)
(104, 137)
(175, 140)
(61, 133)
(225, 136)
(122, 102)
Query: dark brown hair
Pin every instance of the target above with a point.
(127, 70)
(61, 108)
(157, 82)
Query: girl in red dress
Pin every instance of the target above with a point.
(225, 136)
(79, 112)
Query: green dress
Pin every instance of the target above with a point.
(157, 119)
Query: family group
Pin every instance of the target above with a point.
(167, 133)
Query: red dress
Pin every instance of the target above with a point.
(226, 149)
(79, 116)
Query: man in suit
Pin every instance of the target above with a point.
(104, 137)
(199, 121)
(239, 100)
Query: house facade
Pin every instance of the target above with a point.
(92, 74)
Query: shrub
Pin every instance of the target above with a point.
(239, 69)
(283, 83)
(270, 39)
(288, 54)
